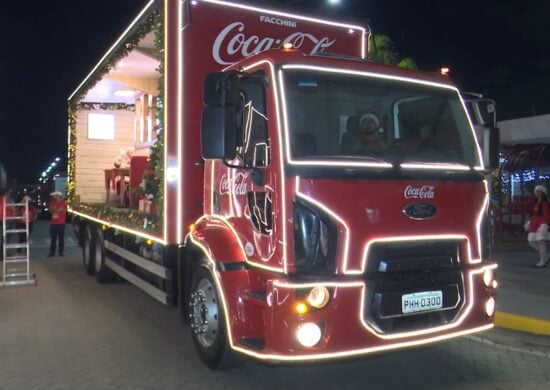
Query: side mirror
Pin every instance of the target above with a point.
(219, 133)
(222, 89)
(491, 147)
(219, 117)
(3, 178)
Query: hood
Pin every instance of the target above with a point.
(371, 211)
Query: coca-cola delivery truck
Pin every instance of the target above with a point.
(297, 201)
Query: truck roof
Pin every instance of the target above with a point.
(327, 60)
(245, 21)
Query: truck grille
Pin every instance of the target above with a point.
(397, 269)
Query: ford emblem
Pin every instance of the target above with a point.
(420, 211)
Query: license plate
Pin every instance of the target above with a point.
(421, 301)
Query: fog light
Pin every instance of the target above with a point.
(308, 334)
(490, 307)
(488, 277)
(318, 297)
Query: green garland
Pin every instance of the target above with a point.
(106, 106)
(154, 176)
(131, 218)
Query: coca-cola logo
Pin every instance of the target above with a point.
(234, 185)
(424, 192)
(232, 44)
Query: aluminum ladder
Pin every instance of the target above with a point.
(15, 255)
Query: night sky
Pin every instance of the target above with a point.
(500, 48)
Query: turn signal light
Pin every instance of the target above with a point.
(301, 308)
(488, 277)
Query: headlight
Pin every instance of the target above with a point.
(490, 307)
(315, 238)
(308, 334)
(318, 297)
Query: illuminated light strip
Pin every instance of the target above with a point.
(479, 154)
(287, 15)
(435, 166)
(285, 284)
(454, 324)
(321, 356)
(238, 239)
(281, 157)
(118, 227)
(165, 129)
(361, 351)
(180, 126)
(317, 162)
(479, 220)
(364, 40)
(427, 237)
(332, 214)
(71, 176)
(369, 74)
(212, 171)
(230, 194)
(118, 41)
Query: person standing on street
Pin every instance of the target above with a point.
(58, 209)
(538, 226)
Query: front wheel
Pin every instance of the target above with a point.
(207, 320)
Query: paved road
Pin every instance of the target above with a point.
(70, 332)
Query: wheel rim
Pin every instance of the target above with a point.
(204, 313)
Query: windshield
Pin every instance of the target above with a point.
(341, 116)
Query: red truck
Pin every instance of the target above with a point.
(278, 227)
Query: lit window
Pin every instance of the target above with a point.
(101, 126)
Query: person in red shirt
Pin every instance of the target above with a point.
(538, 225)
(58, 209)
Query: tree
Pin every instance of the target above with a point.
(382, 50)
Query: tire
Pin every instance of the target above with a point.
(88, 244)
(207, 320)
(103, 274)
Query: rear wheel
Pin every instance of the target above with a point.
(87, 251)
(103, 274)
(207, 320)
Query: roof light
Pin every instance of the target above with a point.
(445, 70)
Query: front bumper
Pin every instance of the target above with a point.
(345, 328)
